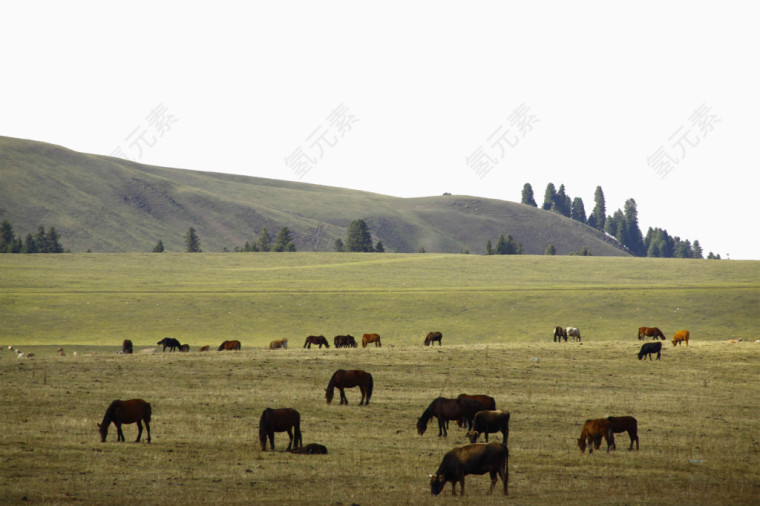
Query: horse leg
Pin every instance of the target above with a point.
(119, 433)
(343, 398)
(139, 431)
(271, 440)
(147, 426)
(363, 391)
(290, 442)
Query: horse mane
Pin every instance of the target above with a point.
(428, 413)
(331, 384)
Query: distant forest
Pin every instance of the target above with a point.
(623, 224)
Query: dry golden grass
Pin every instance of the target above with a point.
(697, 409)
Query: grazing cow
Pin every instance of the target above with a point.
(475, 458)
(650, 332)
(625, 424)
(126, 346)
(574, 333)
(347, 341)
(184, 348)
(315, 340)
(593, 432)
(648, 348)
(310, 449)
(205, 348)
(488, 422)
(279, 344)
(229, 345)
(559, 334)
(680, 337)
(432, 337)
(169, 342)
(371, 338)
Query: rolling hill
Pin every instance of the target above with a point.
(106, 204)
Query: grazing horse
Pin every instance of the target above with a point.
(432, 337)
(680, 337)
(559, 334)
(648, 348)
(131, 411)
(350, 379)
(229, 345)
(279, 344)
(486, 401)
(315, 340)
(310, 449)
(126, 346)
(574, 333)
(280, 420)
(592, 433)
(371, 338)
(345, 341)
(650, 332)
(184, 348)
(491, 458)
(448, 409)
(625, 424)
(169, 342)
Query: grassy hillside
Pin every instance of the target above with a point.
(100, 299)
(108, 204)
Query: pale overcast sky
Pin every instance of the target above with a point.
(657, 101)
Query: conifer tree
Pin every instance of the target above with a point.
(358, 237)
(550, 196)
(283, 241)
(600, 209)
(159, 247)
(264, 240)
(192, 241)
(527, 195)
(578, 212)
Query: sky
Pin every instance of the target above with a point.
(655, 101)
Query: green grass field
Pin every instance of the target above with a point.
(697, 407)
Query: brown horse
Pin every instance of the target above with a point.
(371, 338)
(448, 409)
(559, 334)
(229, 345)
(432, 337)
(486, 401)
(126, 346)
(315, 340)
(625, 424)
(350, 379)
(131, 411)
(650, 332)
(280, 420)
(278, 344)
(345, 341)
(184, 348)
(682, 336)
(204, 348)
(593, 432)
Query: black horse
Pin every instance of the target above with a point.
(169, 342)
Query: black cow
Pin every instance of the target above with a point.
(648, 348)
(488, 422)
(169, 342)
(475, 458)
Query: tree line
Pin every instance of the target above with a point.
(44, 241)
(623, 224)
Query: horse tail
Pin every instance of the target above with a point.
(370, 385)
(148, 412)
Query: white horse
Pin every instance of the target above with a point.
(574, 333)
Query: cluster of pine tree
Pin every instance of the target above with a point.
(504, 246)
(264, 242)
(623, 224)
(41, 242)
(359, 239)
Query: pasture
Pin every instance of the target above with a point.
(697, 408)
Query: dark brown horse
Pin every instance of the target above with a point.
(371, 338)
(448, 409)
(432, 337)
(349, 379)
(315, 340)
(345, 341)
(169, 342)
(310, 449)
(184, 348)
(486, 401)
(625, 424)
(126, 346)
(650, 332)
(131, 411)
(229, 345)
(280, 420)
(559, 334)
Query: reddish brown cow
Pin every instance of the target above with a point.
(592, 433)
(478, 458)
(682, 336)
